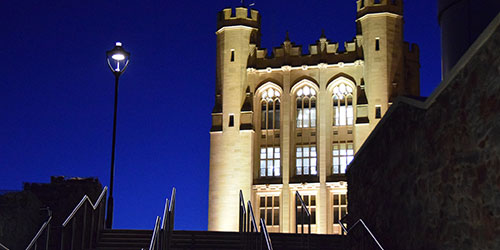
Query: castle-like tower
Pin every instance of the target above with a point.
(293, 121)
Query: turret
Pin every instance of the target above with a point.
(380, 31)
(378, 6)
(232, 133)
(237, 31)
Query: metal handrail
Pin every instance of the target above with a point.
(39, 233)
(364, 225)
(85, 198)
(3, 247)
(171, 210)
(168, 221)
(163, 226)
(263, 230)
(88, 229)
(153, 244)
(165, 213)
(243, 214)
(248, 224)
(252, 217)
(304, 209)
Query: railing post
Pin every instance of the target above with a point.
(62, 238)
(73, 232)
(91, 233)
(296, 216)
(84, 222)
(47, 237)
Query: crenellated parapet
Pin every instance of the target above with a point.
(238, 16)
(378, 6)
(290, 54)
(411, 53)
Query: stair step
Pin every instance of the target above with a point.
(123, 239)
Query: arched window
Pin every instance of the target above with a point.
(306, 107)
(343, 112)
(270, 103)
(270, 153)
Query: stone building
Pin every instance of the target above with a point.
(291, 121)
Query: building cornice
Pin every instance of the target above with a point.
(389, 14)
(287, 68)
(234, 27)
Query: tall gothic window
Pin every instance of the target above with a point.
(343, 153)
(270, 103)
(306, 160)
(269, 161)
(306, 107)
(343, 112)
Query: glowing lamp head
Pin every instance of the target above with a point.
(118, 59)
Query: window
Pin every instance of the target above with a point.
(310, 202)
(378, 112)
(231, 120)
(339, 210)
(343, 153)
(306, 107)
(306, 160)
(269, 161)
(343, 111)
(232, 55)
(377, 44)
(270, 103)
(376, 1)
(269, 209)
(362, 3)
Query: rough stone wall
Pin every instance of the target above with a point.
(430, 176)
(21, 215)
(62, 195)
(20, 218)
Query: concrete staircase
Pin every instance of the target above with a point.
(205, 240)
(136, 239)
(282, 241)
(124, 239)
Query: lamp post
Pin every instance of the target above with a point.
(118, 60)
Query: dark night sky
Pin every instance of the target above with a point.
(56, 91)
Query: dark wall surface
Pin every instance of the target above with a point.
(23, 213)
(461, 22)
(20, 218)
(429, 175)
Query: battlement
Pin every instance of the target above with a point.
(414, 49)
(411, 52)
(377, 6)
(238, 16)
(290, 54)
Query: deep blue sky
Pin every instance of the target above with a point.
(56, 91)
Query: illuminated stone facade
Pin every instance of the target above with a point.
(292, 121)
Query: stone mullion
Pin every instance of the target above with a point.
(286, 114)
(322, 127)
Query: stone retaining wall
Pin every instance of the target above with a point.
(429, 175)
